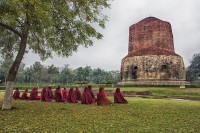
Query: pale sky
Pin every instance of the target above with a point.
(184, 16)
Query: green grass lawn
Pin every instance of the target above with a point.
(158, 91)
(139, 115)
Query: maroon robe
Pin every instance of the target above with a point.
(64, 94)
(34, 94)
(91, 92)
(24, 95)
(78, 94)
(16, 94)
(118, 97)
(49, 95)
(58, 95)
(43, 94)
(71, 98)
(101, 98)
(87, 98)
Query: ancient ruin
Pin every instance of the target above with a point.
(151, 55)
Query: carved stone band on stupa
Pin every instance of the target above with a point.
(151, 55)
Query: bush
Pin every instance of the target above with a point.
(193, 86)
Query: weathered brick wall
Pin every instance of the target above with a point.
(150, 33)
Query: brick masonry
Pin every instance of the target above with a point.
(151, 54)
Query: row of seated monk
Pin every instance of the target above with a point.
(71, 96)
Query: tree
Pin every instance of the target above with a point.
(4, 65)
(193, 71)
(46, 26)
(20, 78)
(37, 69)
(53, 72)
(83, 73)
(98, 75)
(28, 74)
(66, 75)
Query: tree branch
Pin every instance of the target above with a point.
(10, 28)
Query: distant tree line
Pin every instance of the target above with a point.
(193, 70)
(38, 73)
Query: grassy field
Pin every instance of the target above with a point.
(184, 92)
(139, 115)
(192, 92)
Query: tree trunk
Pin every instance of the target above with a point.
(7, 103)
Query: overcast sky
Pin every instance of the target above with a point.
(184, 16)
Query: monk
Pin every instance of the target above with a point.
(118, 97)
(71, 98)
(49, 94)
(91, 92)
(58, 95)
(24, 95)
(34, 94)
(43, 94)
(16, 94)
(86, 97)
(101, 98)
(64, 94)
(78, 94)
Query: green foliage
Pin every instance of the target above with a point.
(139, 115)
(39, 73)
(5, 65)
(193, 86)
(51, 26)
(193, 71)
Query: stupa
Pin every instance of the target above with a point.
(151, 57)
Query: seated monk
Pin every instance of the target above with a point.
(86, 97)
(34, 94)
(71, 98)
(16, 94)
(49, 94)
(64, 94)
(101, 98)
(118, 97)
(91, 92)
(77, 94)
(58, 95)
(43, 94)
(24, 95)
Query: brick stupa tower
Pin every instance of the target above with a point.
(151, 55)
